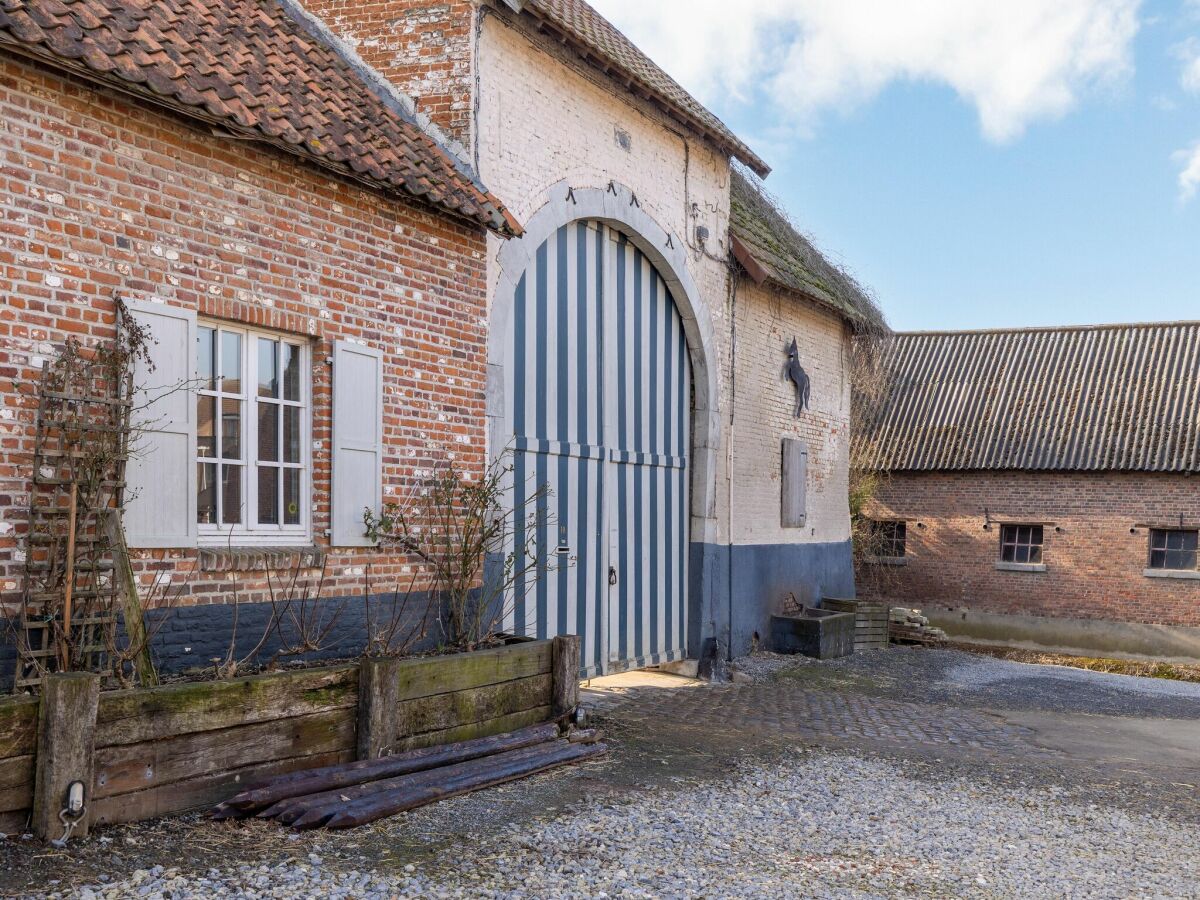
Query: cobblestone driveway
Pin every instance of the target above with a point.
(897, 774)
(815, 716)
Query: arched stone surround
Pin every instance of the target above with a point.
(615, 206)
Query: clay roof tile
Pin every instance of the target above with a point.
(257, 66)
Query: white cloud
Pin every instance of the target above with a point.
(1189, 172)
(1016, 61)
(1189, 55)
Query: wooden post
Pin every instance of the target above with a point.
(564, 691)
(131, 604)
(378, 706)
(65, 745)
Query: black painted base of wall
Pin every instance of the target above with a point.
(735, 590)
(192, 638)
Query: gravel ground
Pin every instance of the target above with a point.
(813, 825)
(955, 677)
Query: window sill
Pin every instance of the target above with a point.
(1183, 574)
(1020, 567)
(887, 560)
(260, 559)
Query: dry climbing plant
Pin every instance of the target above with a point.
(73, 548)
(479, 553)
(870, 379)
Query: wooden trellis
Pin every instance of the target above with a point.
(72, 583)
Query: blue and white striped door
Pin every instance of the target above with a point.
(597, 395)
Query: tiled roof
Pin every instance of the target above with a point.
(601, 43)
(771, 249)
(1100, 398)
(253, 67)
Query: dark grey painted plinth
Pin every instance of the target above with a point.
(191, 637)
(734, 591)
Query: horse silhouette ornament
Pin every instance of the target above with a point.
(799, 378)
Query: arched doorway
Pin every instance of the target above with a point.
(597, 396)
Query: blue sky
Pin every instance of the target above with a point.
(975, 169)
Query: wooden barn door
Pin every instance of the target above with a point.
(597, 395)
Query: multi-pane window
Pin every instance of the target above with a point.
(1173, 548)
(1021, 543)
(889, 539)
(252, 420)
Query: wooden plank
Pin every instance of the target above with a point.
(16, 783)
(130, 717)
(565, 676)
(128, 768)
(14, 822)
(207, 790)
(487, 728)
(430, 675)
(65, 746)
(444, 711)
(378, 696)
(18, 726)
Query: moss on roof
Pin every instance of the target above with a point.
(790, 260)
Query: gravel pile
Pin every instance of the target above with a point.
(816, 825)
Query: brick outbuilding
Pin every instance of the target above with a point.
(1039, 486)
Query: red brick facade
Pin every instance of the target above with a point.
(423, 48)
(103, 197)
(1096, 543)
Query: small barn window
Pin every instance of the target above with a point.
(1021, 544)
(889, 539)
(1173, 548)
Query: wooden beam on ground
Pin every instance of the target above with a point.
(301, 784)
(66, 738)
(315, 809)
(491, 771)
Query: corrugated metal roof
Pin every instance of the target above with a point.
(1099, 398)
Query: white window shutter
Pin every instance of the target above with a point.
(794, 483)
(357, 441)
(160, 505)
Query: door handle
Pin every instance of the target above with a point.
(612, 575)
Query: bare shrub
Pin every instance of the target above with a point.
(478, 550)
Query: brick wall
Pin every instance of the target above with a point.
(424, 48)
(763, 414)
(1094, 562)
(101, 196)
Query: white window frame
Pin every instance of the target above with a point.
(249, 532)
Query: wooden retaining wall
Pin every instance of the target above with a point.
(18, 745)
(168, 749)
